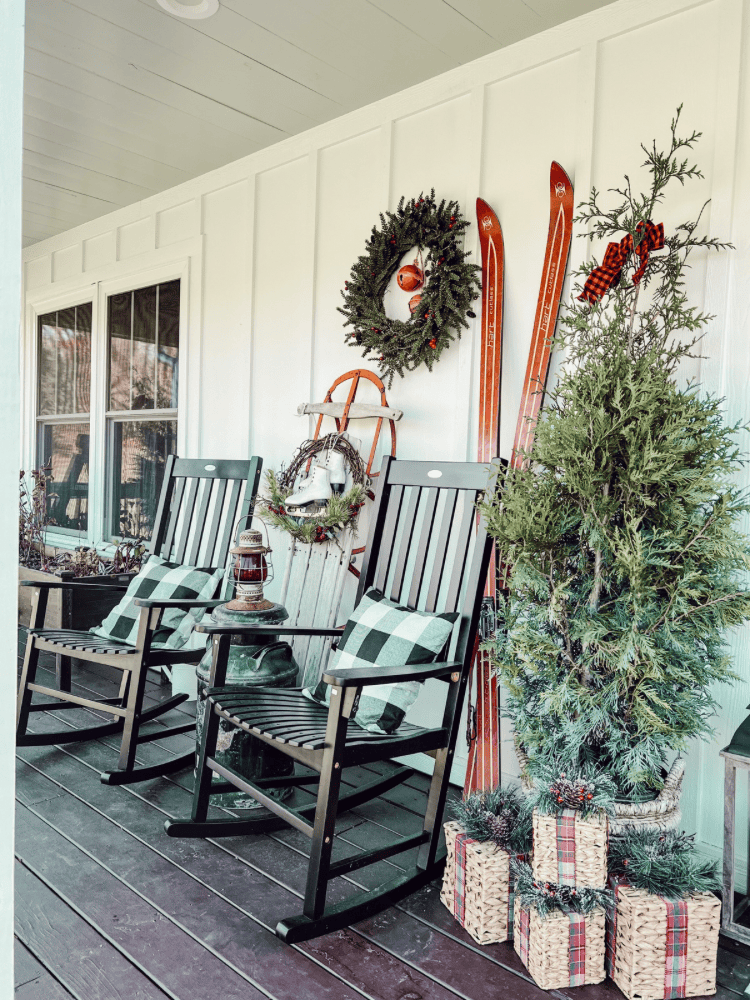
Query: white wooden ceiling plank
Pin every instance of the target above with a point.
(127, 84)
(65, 217)
(231, 28)
(385, 61)
(199, 63)
(507, 21)
(171, 146)
(42, 220)
(399, 57)
(81, 205)
(557, 11)
(36, 234)
(441, 25)
(46, 137)
(84, 179)
(160, 103)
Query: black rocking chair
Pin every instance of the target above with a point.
(199, 504)
(425, 552)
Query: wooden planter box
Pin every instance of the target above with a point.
(476, 886)
(562, 949)
(570, 850)
(658, 949)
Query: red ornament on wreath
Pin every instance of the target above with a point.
(414, 303)
(410, 277)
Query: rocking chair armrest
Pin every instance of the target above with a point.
(72, 585)
(267, 630)
(364, 676)
(175, 602)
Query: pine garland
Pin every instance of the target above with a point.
(341, 509)
(450, 286)
(664, 863)
(549, 896)
(587, 790)
(501, 815)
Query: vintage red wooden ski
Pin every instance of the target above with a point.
(484, 751)
(484, 758)
(548, 304)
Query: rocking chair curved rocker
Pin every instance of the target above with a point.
(424, 553)
(199, 503)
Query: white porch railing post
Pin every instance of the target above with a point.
(11, 112)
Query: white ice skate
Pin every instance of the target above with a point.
(316, 489)
(336, 467)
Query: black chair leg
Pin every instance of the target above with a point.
(28, 676)
(202, 788)
(435, 808)
(322, 841)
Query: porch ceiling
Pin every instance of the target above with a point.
(123, 99)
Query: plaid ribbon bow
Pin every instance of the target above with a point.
(608, 274)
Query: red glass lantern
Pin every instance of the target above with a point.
(250, 570)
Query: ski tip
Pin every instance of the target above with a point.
(558, 174)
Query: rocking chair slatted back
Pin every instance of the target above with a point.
(417, 529)
(203, 502)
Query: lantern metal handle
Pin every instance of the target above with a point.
(246, 517)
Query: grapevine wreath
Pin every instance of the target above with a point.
(339, 511)
(443, 280)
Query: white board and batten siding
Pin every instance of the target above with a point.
(266, 243)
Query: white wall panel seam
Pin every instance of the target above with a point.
(250, 306)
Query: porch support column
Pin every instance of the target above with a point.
(11, 111)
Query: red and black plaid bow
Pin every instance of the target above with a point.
(607, 275)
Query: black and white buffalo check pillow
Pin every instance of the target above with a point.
(162, 580)
(383, 634)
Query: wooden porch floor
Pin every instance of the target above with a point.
(109, 907)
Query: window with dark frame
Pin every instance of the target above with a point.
(142, 343)
(143, 359)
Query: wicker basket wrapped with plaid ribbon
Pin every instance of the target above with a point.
(477, 886)
(658, 948)
(562, 948)
(569, 849)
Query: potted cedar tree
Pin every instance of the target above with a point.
(622, 532)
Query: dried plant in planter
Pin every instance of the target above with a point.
(623, 532)
(33, 522)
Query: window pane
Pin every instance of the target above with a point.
(65, 447)
(118, 322)
(143, 338)
(139, 452)
(65, 361)
(168, 342)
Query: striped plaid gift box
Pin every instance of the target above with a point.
(477, 886)
(569, 849)
(563, 948)
(660, 949)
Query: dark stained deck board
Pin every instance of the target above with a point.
(228, 894)
(32, 981)
(87, 965)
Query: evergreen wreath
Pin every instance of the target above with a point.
(664, 863)
(500, 815)
(450, 285)
(549, 896)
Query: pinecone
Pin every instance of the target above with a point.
(500, 827)
(573, 794)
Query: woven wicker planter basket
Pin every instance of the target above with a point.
(570, 850)
(477, 892)
(545, 947)
(643, 956)
(661, 813)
